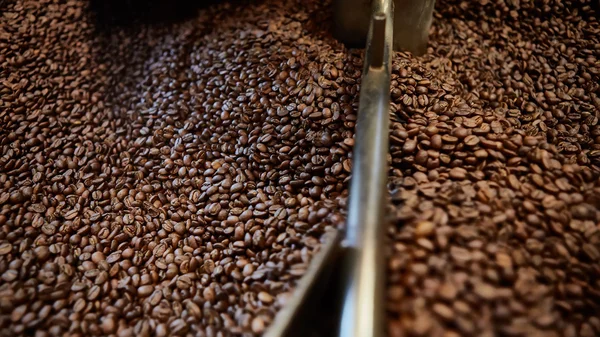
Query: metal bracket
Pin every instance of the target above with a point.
(412, 20)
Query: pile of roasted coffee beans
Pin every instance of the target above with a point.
(168, 179)
(175, 178)
(495, 151)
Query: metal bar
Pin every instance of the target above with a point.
(363, 278)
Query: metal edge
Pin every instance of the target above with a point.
(289, 314)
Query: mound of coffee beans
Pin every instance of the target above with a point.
(494, 174)
(166, 179)
(175, 178)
